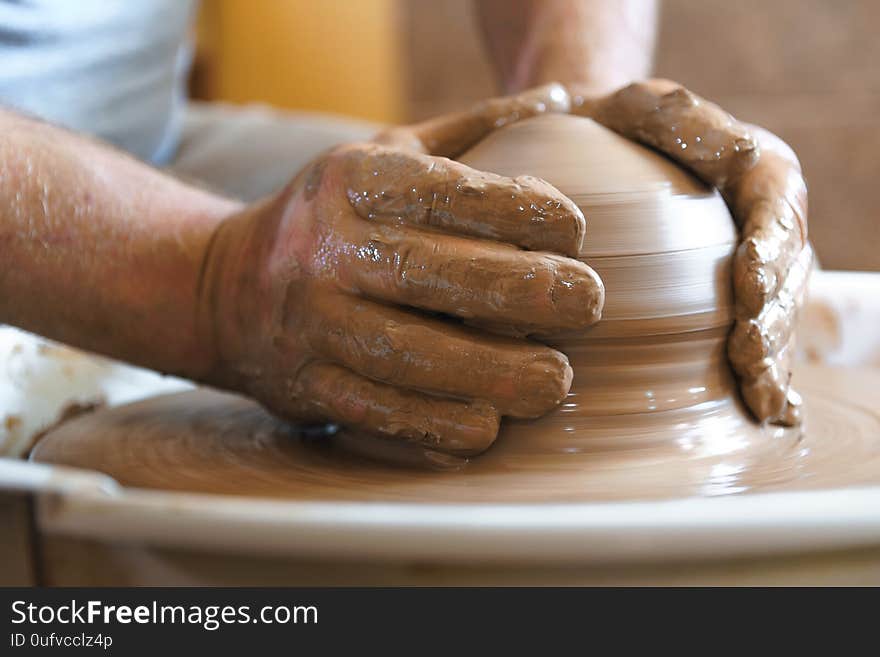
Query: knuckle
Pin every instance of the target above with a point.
(483, 429)
(346, 152)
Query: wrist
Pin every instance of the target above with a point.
(218, 288)
(235, 297)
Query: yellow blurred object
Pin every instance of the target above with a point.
(338, 56)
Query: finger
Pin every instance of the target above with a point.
(472, 279)
(452, 134)
(520, 378)
(769, 395)
(770, 201)
(767, 251)
(757, 341)
(692, 131)
(765, 382)
(339, 395)
(771, 143)
(766, 393)
(394, 186)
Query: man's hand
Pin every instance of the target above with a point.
(760, 178)
(340, 299)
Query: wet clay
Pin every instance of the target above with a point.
(653, 409)
(211, 442)
(661, 241)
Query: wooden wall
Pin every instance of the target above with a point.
(339, 56)
(808, 70)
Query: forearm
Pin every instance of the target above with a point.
(101, 251)
(599, 44)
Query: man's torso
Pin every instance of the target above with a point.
(112, 68)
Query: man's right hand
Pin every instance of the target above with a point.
(341, 298)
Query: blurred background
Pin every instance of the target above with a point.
(806, 69)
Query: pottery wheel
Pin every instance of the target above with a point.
(210, 442)
(653, 411)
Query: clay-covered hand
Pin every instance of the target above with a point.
(760, 178)
(342, 298)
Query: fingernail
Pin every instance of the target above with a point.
(578, 296)
(542, 384)
(473, 433)
(745, 144)
(572, 219)
(559, 224)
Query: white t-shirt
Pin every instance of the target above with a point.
(111, 68)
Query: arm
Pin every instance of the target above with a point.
(600, 44)
(100, 251)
